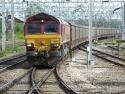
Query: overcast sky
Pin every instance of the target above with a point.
(69, 9)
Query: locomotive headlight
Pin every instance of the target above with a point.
(42, 21)
(29, 45)
(54, 44)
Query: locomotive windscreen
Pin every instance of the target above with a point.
(33, 28)
(51, 28)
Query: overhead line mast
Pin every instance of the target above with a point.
(90, 33)
(65, 6)
(123, 21)
(3, 26)
(12, 24)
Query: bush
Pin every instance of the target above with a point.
(2, 53)
(18, 27)
(17, 48)
(0, 25)
(0, 35)
(9, 50)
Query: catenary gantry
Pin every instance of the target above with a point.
(73, 9)
(64, 9)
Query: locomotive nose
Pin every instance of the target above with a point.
(48, 45)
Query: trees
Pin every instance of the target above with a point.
(101, 22)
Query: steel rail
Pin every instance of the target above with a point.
(22, 59)
(8, 85)
(101, 52)
(33, 76)
(105, 56)
(13, 58)
(63, 85)
(116, 48)
(119, 58)
(35, 87)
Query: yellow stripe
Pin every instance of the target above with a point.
(43, 36)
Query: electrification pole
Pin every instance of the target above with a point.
(59, 8)
(123, 21)
(12, 23)
(3, 26)
(89, 48)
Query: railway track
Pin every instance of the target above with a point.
(63, 85)
(116, 48)
(12, 59)
(17, 84)
(12, 70)
(6, 86)
(21, 86)
(10, 62)
(48, 81)
(4, 65)
(36, 84)
(106, 56)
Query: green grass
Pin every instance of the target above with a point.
(0, 25)
(19, 29)
(10, 50)
(18, 36)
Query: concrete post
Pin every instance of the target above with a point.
(123, 22)
(90, 34)
(12, 23)
(3, 26)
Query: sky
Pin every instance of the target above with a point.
(74, 9)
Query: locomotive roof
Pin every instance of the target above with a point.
(42, 16)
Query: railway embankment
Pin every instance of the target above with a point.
(10, 52)
(19, 40)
